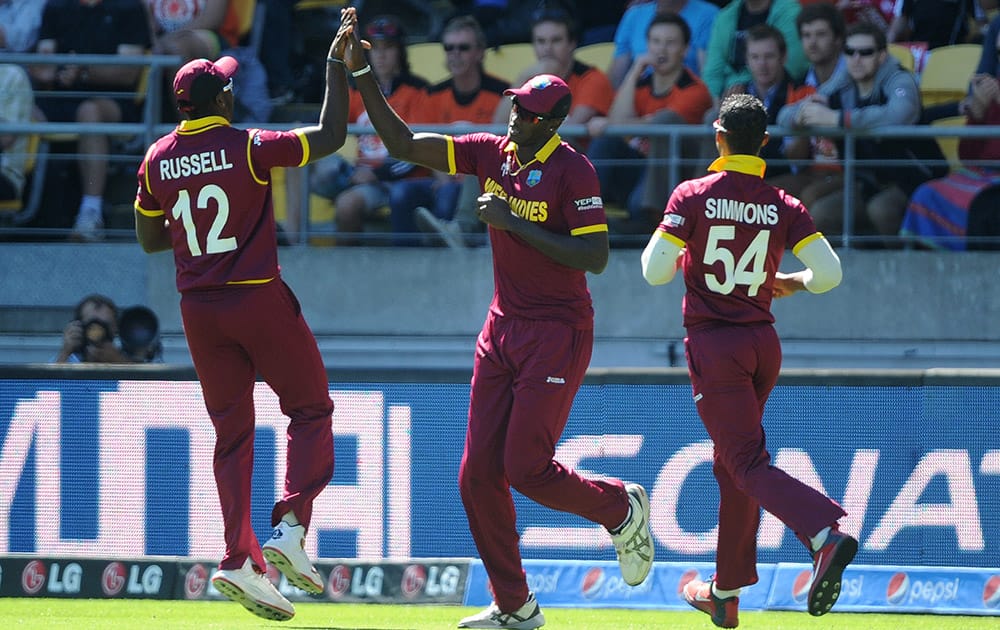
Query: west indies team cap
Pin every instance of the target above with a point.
(199, 80)
(544, 94)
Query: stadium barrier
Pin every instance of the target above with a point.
(114, 462)
(152, 93)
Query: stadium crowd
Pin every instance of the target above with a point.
(852, 65)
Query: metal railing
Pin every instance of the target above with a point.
(673, 166)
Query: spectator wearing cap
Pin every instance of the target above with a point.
(359, 191)
(541, 201)
(658, 89)
(468, 96)
(554, 37)
(99, 27)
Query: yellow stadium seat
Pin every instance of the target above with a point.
(904, 55)
(598, 55)
(949, 144)
(509, 60)
(427, 60)
(946, 73)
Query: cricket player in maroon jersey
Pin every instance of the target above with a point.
(728, 232)
(542, 203)
(205, 192)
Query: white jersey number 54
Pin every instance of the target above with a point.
(748, 270)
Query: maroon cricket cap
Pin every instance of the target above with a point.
(544, 94)
(199, 80)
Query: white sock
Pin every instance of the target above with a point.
(820, 538)
(290, 518)
(91, 203)
(721, 594)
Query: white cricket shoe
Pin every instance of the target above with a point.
(633, 541)
(253, 591)
(285, 550)
(526, 617)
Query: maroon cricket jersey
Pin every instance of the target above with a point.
(735, 228)
(212, 182)
(558, 189)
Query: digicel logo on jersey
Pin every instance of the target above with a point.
(534, 211)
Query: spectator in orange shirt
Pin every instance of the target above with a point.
(469, 95)
(554, 37)
(359, 190)
(657, 89)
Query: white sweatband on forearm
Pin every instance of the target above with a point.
(659, 259)
(823, 266)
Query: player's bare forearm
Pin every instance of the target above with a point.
(786, 284)
(152, 233)
(426, 149)
(331, 132)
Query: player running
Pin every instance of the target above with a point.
(542, 203)
(728, 232)
(205, 192)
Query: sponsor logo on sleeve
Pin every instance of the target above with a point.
(588, 203)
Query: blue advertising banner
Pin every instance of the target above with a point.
(122, 468)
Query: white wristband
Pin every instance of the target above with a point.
(365, 70)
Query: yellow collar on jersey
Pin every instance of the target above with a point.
(542, 154)
(748, 164)
(201, 124)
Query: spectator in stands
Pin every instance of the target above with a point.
(821, 31)
(360, 190)
(766, 55)
(16, 104)
(503, 20)
(196, 30)
(658, 89)
(206, 30)
(90, 336)
(938, 214)
(937, 22)
(553, 35)
(469, 95)
(630, 37)
(725, 61)
(19, 24)
(101, 27)
(877, 92)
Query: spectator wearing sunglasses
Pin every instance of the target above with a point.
(554, 38)
(541, 201)
(876, 92)
(468, 95)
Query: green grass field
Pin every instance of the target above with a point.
(54, 614)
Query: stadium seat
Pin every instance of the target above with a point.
(20, 211)
(598, 55)
(509, 60)
(949, 144)
(946, 73)
(427, 60)
(904, 55)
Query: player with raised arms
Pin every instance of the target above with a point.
(205, 192)
(542, 204)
